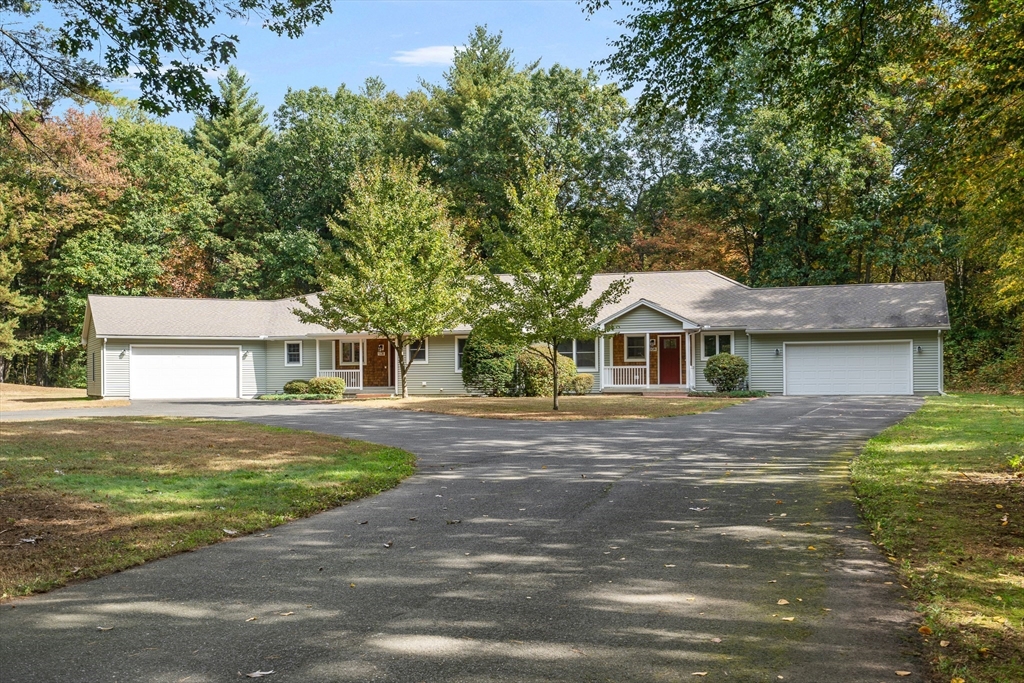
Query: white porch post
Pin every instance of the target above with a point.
(647, 356)
(689, 370)
(318, 357)
(600, 362)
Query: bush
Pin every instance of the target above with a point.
(726, 371)
(489, 367)
(331, 386)
(580, 385)
(728, 394)
(297, 386)
(534, 372)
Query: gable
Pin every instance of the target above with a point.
(644, 318)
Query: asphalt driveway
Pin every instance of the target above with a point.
(579, 551)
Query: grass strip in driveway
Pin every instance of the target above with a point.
(940, 495)
(609, 407)
(99, 495)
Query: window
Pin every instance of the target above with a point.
(582, 351)
(715, 344)
(636, 348)
(460, 348)
(350, 352)
(417, 351)
(93, 366)
(293, 353)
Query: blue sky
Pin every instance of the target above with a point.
(404, 41)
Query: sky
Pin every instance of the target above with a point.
(403, 41)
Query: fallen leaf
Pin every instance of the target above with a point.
(351, 585)
(287, 614)
(902, 673)
(716, 640)
(811, 547)
(782, 602)
(389, 544)
(365, 521)
(943, 643)
(699, 673)
(783, 514)
(453, 521)
(924, 631)
(788, 618)
(258, 674)
(1004, 521)
(772, 581)
(252, 618)
(957, 680)
(230, 532)
(670, 565)
(412, 519)
(104, 628)
(998, 506)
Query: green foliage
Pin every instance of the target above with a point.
(535, 372)
(489, 367)
(728, 394)
(333, 386)
(726, 371)
(296, 386)
(579, 385)
(403, 273)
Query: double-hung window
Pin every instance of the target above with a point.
(715, 344)
(293, 353)
(350, 353)
(460, 349)
(417, 351)
(582, 351)
(636, 349)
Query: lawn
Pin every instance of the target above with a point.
(608, 407)
(84, 498)
(943, 493)
(27, 397)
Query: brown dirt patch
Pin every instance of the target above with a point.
(16, 397)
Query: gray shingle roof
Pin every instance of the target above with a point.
(700, 296)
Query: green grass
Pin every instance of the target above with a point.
(942, 495)
(105, 494)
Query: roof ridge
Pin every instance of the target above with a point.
(852, 284)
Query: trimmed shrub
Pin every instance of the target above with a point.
(580, 385)
(726, 371)
(728, 394)
(534, 372)
(331, 386)
(297, 386)
(489, 367)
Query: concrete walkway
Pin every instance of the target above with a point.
(577, 551)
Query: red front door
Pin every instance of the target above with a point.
(669, 360)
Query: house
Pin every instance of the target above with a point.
(842, 339)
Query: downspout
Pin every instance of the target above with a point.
(942, 366)
(103, 369)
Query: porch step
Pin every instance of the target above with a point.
(365, 395)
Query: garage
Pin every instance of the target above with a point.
(847, 368)
(161, 372)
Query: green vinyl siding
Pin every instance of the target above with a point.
(278, 374)
(644, 319)
(94, 362)
(766, 370)
(739, 348)
(438, 375)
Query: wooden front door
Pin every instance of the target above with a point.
(670, 360)
(378, 371)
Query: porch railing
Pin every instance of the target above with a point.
(353, 378)
(625, 376)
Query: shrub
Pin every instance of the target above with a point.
(297, 386)
(489, 367)
(331, 386)
(534, 372)
(726, 371)
(728, 394)
(580, 385)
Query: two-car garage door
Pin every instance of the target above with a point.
(183, 372)
(849, 368)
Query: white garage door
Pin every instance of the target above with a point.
(875, 368)
(183, 372)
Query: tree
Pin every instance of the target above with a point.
(544, 295)
(13, 304)
(168, 46)
(402, 273)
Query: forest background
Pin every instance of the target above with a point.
(903, 188)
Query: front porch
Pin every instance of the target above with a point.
(364, 363)
(645, 362)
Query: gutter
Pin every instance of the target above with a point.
(839, 330)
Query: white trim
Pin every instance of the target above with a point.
(647, 351)
(238, 359)
(942, 365)
(317, 356)
(718, 348)
(690, 367)
(103, 371)
(458, 367)
(908, 342)
(600, 362)
(654, 307)
(679, 348)
(293, 341)
(625, 348)
(426, 351)
(357, 345)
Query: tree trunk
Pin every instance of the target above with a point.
(554, 377)
(41, 358)
(403, 368)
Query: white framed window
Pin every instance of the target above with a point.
(293, 353)
(351, 353)
(417, 351)
(636, 348)
(715, 343)
(460, 348)
(582, 351)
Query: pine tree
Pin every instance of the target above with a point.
(13, 304)
(237, 128)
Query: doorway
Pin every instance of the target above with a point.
(670, 360)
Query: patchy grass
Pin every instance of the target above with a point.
(26, 397)
(103, 494)
(617, 407)
(941, 493)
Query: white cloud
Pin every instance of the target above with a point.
(435, 55)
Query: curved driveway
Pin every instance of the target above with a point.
(578, 551)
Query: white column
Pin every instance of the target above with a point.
(318, 357)
(647, 356)
(689, 370)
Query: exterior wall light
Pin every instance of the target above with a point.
(778, 353)
(920, 349)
